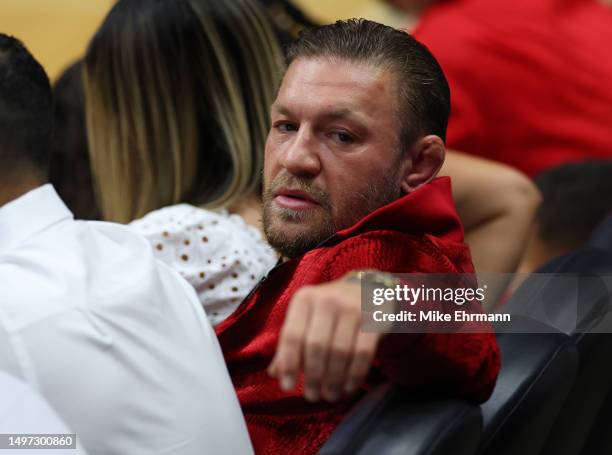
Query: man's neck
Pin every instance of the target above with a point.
(13, 187)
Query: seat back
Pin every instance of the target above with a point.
(602, 235)
(391, 421)
(538, 370)
(575, 298)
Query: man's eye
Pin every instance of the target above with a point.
(286, 127)
(343, 137)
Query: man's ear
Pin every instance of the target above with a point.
(423, 162)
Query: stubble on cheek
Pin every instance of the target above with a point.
(294, 232)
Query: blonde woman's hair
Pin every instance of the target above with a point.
(177, 102)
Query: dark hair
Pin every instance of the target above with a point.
(423, 91)
(576, 197)
(178, 96)
(287, 19)
(70, 171)
(26, 119)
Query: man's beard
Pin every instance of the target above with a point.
(359, 205)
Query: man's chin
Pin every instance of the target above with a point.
(292, 239)
(312, 216)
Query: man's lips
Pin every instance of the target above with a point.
(294, 199)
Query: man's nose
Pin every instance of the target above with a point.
(301, 157)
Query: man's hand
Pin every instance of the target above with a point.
(321, 336)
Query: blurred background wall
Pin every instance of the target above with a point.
(57, 31)
(331, 10)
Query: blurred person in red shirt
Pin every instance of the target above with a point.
(531, 79)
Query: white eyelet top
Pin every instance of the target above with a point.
(219, 254)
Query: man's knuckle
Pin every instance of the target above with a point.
(291, 338)
(340, 353)
(314, 374)
(360, 366)
(302, 294)
(335, 371)
(363, 353)
(355, 376)
(315, 348)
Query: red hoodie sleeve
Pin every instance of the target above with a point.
(462, 365)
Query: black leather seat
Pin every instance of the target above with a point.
(538, 370)
(570, 293)
(575, 298)
(599, 441)
(602, 236)
(390, 421)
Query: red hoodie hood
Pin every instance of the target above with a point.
(428, 210)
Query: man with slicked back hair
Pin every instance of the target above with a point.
(357, 139)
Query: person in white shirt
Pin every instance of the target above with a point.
(112, 338)
(23, 411)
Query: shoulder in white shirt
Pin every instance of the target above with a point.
(23, 411)
(115, 340)
(220, 255)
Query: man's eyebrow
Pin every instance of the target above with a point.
(339, 113)
(333, 114)
(280, 109)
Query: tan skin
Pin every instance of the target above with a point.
(497, 205)
(331, 117)
(18, 182)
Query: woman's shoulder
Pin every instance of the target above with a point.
(186, 223)
(218, 253)
(178, 218)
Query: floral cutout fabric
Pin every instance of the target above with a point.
(220, 255)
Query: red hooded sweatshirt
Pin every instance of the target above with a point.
(419, 233)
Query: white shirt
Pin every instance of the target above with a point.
(23, 411)
(220, 255)
(115, 340)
